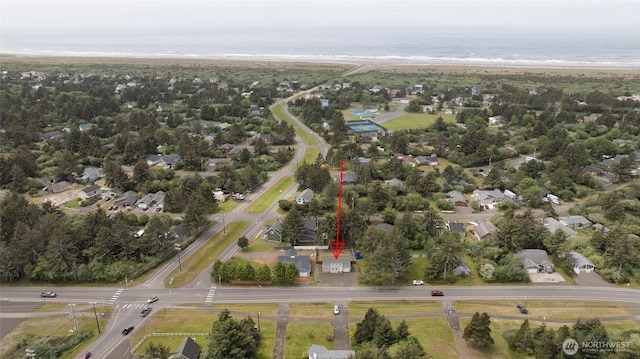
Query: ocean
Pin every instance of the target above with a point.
(376, 44)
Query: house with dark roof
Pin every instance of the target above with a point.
(311, 225)
(347, 178)
(536, 260)
(273, 233)
(580, 263)
(59, 187)
(153, 159)
(305, 196)
(553, 225)
(49, 135)
(89, 192)
(302, 262)
(333, 265)
(608, 162)
(456, 227)
(127, 199)
(180, 231)
(427, 160)
(321, 352)
(188, 349)
(488, 199)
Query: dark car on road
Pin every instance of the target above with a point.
(145, 311)
(85, 355)
(127, 330)
(522, 309)
(48, 294)
(437, 293)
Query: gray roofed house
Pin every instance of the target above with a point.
(49, 135)
(89, 192)
(610, 161)
(488, 199)
(333, 265)
(575, 222)
(89, 174)
(302, 262)
(321, 352)
(456, 227)
(462, 268)
(128, 198)
(457, 198)
(427, 160)
(273, 233)
(536, 260)
(580, 262)
(153, 160)
(188, 349)
(181, 231)
(347, 178)
(305, 196)
(59, 187)
(601, 227)
(394, 182)
(151, 199)
(553, 225)
(484, 229)
(170, 159)
(312, 227)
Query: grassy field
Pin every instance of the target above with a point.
(434, 334)
(74, 203)
(311, 310)
(262, 246)
(300, 336)
(55, 326)
(263, 202)
(394, 308)
(193, 266)
(415, 120)
(278, 112)
(310, 155)
(551, 310)
(227, 206)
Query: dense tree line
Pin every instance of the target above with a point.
(42, 243)
(232, 270)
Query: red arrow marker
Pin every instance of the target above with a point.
(337, 247)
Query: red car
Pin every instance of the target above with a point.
(436, 293)
(86, 355)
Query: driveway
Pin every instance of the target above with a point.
(341, 340)
(338, 280)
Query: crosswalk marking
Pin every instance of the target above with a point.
(212, 291)
(115, 295)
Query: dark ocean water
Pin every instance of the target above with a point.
(421, 45)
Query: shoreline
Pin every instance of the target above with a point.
(388, 65)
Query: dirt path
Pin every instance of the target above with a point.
(454, 322)
(281, 331)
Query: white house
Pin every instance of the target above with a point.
(580, 263)
(340, 265)
(89, 192)
(305, 196)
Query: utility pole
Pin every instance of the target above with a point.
(96, 315)
(75, 321)
(258, 321)
(177, 247)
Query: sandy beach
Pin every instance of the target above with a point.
(387, 67)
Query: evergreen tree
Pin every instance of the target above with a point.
(383, 335)
(402, 332)
(366, 328)
(521, 340)
(293, 227)
(478, 331)
(231, 339)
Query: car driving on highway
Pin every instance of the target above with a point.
(48, 294)
(417, 282)
(437, 293)
(152, 299)
(127, 330)
(145, 311)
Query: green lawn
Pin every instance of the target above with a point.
(263, 202)
(199, 261)
(278, 112)
(434, 334)
(310, 155)
(415, 120)
(227, 206)
(74, 203)
(300, 336)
